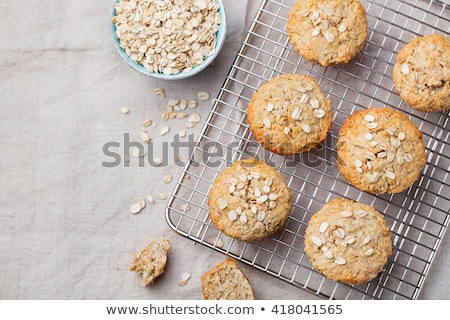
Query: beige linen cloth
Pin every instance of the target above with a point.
(66, 231)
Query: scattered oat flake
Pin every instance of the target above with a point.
(203, 95)
(167, 178)
(147, 122)
(218, 242)
(137, 152)
(181, 115)
(192, 104)
(183, 104)
(150, 199)
(141, 202)
(165, 130)
(161, 196)
(189, 125)
(173, 102)
(135, 208)
(184, 279)
(145, 137)
(185, 207)
(194, 118)
(165, 116)
(160, 92)
(157, 161)
(124, 110)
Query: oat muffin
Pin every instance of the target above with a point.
(327, 32)
(348, 241)
(226, 282)
(249, 200)
(151, 261)
(380, 151)
(421, 74)
(289, 114)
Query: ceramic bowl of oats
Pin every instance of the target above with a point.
(169, 40)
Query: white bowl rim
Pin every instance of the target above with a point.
(220, 40)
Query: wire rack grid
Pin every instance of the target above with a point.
(417, 217)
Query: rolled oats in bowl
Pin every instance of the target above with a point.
(168, 39)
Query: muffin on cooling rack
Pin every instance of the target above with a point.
(226, 282)
(289, 114)
(421, 74)
(327, 32)
(348, 241)
(380, 151)
(249, 200)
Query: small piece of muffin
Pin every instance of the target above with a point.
(421, 74)
(327, 32)
(249, 200)
(380, 151)
(348, 241)
(151, 261)
(226, 282)
(289, 114)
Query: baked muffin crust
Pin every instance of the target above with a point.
(249, 200)
(327, 32)
(348, 241)
(380, 151)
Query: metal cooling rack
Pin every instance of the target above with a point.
(418, 217)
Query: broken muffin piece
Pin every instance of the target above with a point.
(151, 261)
(226, 282)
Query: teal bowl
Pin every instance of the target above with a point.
(220, 39)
